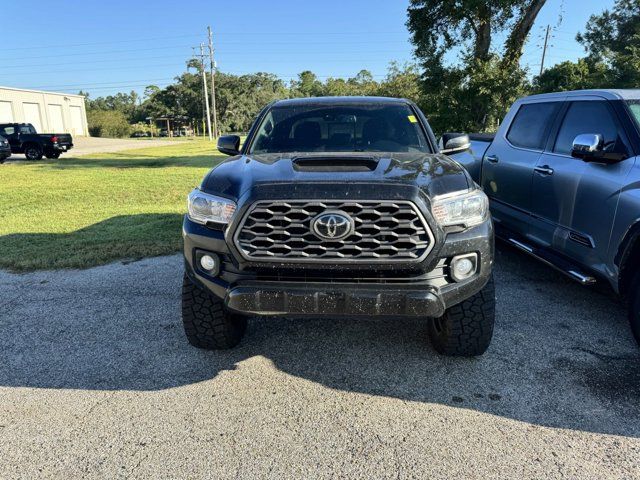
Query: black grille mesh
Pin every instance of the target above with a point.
(384, 231)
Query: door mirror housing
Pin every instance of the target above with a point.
(590, 147)
(454, 142)
(229, 144)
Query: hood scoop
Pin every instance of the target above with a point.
(335, 164)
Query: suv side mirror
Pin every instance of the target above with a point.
(590, 147)
(454, 142)
(229, 144)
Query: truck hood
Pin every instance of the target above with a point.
(434, 174)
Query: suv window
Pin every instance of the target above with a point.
(6, 131)
(531, 124)
(587, 117)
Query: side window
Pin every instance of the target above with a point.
(586, 117)
(6, 131)
(531, 124)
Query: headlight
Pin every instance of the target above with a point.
(204, 208)
(466, 209)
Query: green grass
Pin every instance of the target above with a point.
(81, 212)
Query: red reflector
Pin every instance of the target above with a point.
(54, 139)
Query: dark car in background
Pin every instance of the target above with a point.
(23, 138)
(563, 178)
(5, 149)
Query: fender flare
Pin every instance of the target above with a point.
(628, 251)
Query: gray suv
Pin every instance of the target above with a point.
(563, 178)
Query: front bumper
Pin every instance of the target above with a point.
(426, 290)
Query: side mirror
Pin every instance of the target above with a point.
(590, 147)
(454, 142)
(229, 144)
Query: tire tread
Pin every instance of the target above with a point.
(467, 328)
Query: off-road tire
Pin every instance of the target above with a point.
(206, 322)
(465, 329)
(52, 156)
(634, 307)
(33, 152)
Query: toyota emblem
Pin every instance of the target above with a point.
(332, 225)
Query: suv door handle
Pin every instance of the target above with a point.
(492, 158)
(544, 170)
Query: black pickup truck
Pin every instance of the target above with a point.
(339, 207)
(23, 138)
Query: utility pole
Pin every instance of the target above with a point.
(544, 49)
(213, 83)
(206, 91)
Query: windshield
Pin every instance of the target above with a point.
(634, 106)
(344, 128)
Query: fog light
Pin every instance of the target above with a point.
(209, 263)
(463, 266)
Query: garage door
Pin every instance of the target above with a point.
(56, 123)
(6, 112)
(77, 126)
(32, 115)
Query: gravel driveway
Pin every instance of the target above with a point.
(97, 380)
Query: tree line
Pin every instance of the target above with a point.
(465, 76)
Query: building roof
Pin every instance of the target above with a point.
(338, 101)
(41, 91)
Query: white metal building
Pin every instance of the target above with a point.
(49, 112)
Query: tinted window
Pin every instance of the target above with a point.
(587, 117)
(634, 106)
(7, 130)
(340, 128)
(529, 127)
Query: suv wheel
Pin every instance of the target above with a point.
(33, 152)
(465, 329)
(207, 323)
(634, 308)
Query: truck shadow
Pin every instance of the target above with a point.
(124, 236)
(562, 355)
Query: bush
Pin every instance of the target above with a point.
(108, 123)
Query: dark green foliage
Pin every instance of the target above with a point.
(564, 76)
(474, 92)
(239, 98)
(108, 123)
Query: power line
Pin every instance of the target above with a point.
(79, 54)
(228, 52)
(230, 33)
(110, 42)
(180, 56)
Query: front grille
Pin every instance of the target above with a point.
(383, 231)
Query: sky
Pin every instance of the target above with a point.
(108, 46)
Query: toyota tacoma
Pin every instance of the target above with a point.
(339, 207)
